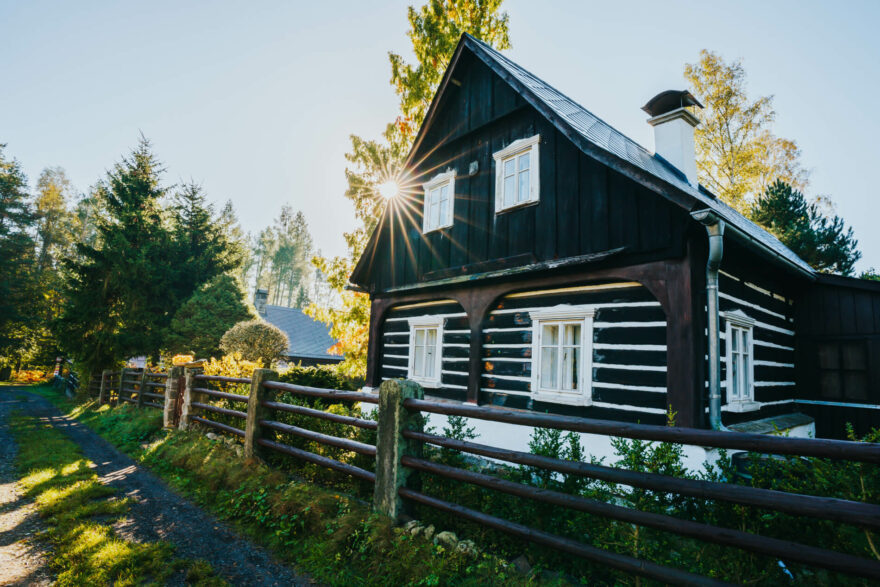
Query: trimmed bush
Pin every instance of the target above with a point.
(255, 340)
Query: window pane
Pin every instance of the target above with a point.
(433, 214)
(431, 337)
(830, 384)
(419, 361)
(420, 337)
(734, 391)
(430, 360)
(524, 186)
(854, 356)
(828, 356)
(549, 357)
(735, 336)
(509, 167)
(442, 213)
(550, 335)
(855, 384)
(570, 372)
(524, 161)
(509, 190)
(572, 334)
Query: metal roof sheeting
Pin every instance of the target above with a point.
(308, 338)
(603, 135)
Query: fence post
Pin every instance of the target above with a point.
(172, 387)
(119, 391)
(189, 396)
(142, 387)
(391, 445)
(255, 411)
(104, 393)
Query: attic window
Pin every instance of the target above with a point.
(516, 174)
(439, 197)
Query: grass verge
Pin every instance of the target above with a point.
(79, 512)
(333, 537)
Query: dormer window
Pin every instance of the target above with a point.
(439, 198)
(516, 174)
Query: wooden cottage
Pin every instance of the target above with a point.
(538, 259)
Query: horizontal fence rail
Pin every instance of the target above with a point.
(330, 394)
(616, 561)
(826, 508)
(803, 447)
(218, 426)
(264, 431)
(339, 418)
(222, 394)
(855, 513)
(790, 551)
(319, 460)
(345, 443)
(222, 379)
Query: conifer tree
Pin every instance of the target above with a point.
(199, 324)
(117, 291)
(17, 254)
(203, 243)
(435, 30)
(822, 241)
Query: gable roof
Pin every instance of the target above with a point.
(603, 142)
(309, 339)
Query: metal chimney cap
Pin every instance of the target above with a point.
(670, 100)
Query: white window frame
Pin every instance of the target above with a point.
(515, 149)
(425, 322)
(436, 182)
(741, 321)
(565, 314)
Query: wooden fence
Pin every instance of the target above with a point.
(249, 409)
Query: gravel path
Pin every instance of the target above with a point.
(158, 513)
(22, 559)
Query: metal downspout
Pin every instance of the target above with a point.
(715, 229)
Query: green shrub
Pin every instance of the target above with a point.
(255, 340)
(324, 376)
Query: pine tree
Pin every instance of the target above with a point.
(117, 290)
(203, 243)
(17, 254)
(435, 30)
(199, 324)
(822, 241)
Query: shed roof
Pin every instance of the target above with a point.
(309, 339)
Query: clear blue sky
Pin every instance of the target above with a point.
(255, 100)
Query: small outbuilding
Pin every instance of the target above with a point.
(309, 339)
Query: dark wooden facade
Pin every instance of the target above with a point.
(839, 354)
(602, 234)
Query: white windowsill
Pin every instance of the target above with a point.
(742, 406)
(517, 206)
(427, 383)
(561, 398)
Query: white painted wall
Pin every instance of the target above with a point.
(674, 141)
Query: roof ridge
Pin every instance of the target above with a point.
(599, 119)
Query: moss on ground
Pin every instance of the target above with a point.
(330, 535)
(79, 513)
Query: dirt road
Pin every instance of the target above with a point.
(157, 512)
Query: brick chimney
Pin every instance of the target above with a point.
(261, 296)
